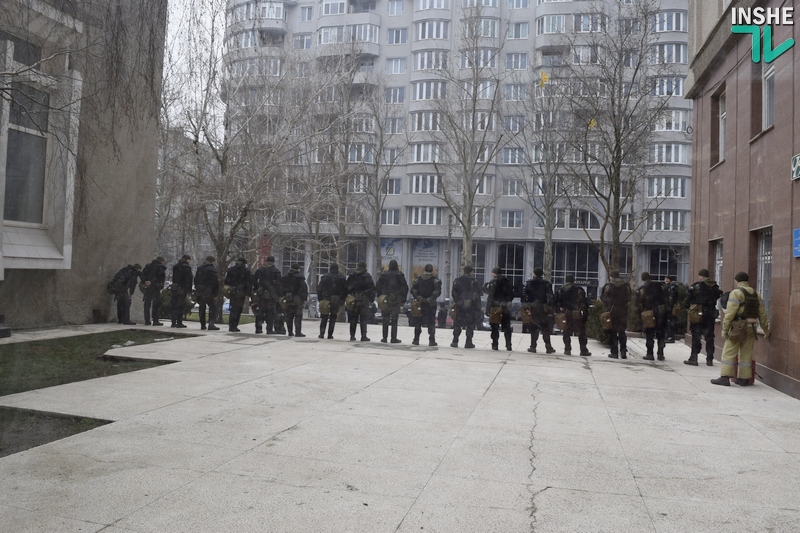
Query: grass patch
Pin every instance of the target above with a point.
(24, 429)
(245, 319)
(34, 365)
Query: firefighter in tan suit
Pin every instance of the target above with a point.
(741, 306)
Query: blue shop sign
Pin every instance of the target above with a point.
(797, 242)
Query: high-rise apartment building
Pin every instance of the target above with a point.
(418, 50)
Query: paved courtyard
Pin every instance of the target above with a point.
(275, 434)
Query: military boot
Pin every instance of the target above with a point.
(692, 360)
(298, 326)
(395, 340)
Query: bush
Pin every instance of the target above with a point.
(594, 329)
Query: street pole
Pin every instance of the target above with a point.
(447, 272)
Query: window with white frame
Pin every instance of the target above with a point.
(431, 29)
(630, 58)
(663, 263)
(514, 123)
(302, 41)
(425, 216)
(517, 61)
(361, 124)
(513, 155)
(517, 4)
(366, 64)
(395, 8)
(583, 219)
(675, 120)
(670, 21)
(559, 217)
(428, 90)
(669, 153)
(510, 219)
(395, 125)
(395, 95)
(479, 57)
(398, 35)
(395, 65)
(392, 155)
(430, 60)
(363, 33)
(667, 220)
(589, 22)
(512, 187)
(767, 95)
(479, 27)
(479, 3)
(425, 121)
(480, 121)
(666, 187)
(482, 217)
(515, 91)
(330, 34)
(484, 90)
(550, 24)
(585, 55)
(333, 7)
(358, 184)
(423, 5)
(392, 186)
(517, 30)
(667, 86)
(626, 222)
(425, 153)
(306, 13)
(390, 217)
(424, 184)
(668, 53)
(628, 26)
(360, 153)
(483, 185)
(764, 266)
(718, 256)
(294, 215)
(552, 58)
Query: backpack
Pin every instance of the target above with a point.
(751, 304)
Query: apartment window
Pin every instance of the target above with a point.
(550, 24)
(673, 121)
(358, 184)
(764, 266)
(302, 41)
(483, 185)
(395, 8)
(431, 29)
(425, 153)
(396, 65)
(425, 121)
(668, 153)
(514, 123)
(767, 96)
(483, 90)
(517, 4)
(423, 5)
(27, 154)
(511, 259)
(666, 187)
(398, 35)
(480, 121)
(479, 261)
(589, 22)
(511, 219)
(517, 30)
(552, 59)
(360, 153)
(512, 187)
(428, 90)
(430, 60)
(395, 95)
(585, 55)
(392, 186)
(515, 91)
(670, 53)
(306, 13)
(395, 125)
(513, 155)
(390, 217)
(482, 217)
(393, 155)
(330, 34)
(667, 86)
(717, 249)
(517, 61)
(479, 27)
(363, 33)
(424, 184)
(361, 124)
(628, 26)
(583, 219)
(425, 216)
(630, 59)
(559, 216)
(663, 263)
(333, 7)
(294, 215)
(670, 21)
(665, 220)
(626, 222)
(480, 57)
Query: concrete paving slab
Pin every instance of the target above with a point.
(483, 453)
(441, 519)
(299, 394)
(569, 511)
(677, 516)
(35, 522)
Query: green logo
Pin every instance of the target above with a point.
(770, 54)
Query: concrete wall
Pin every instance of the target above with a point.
(115, 183)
